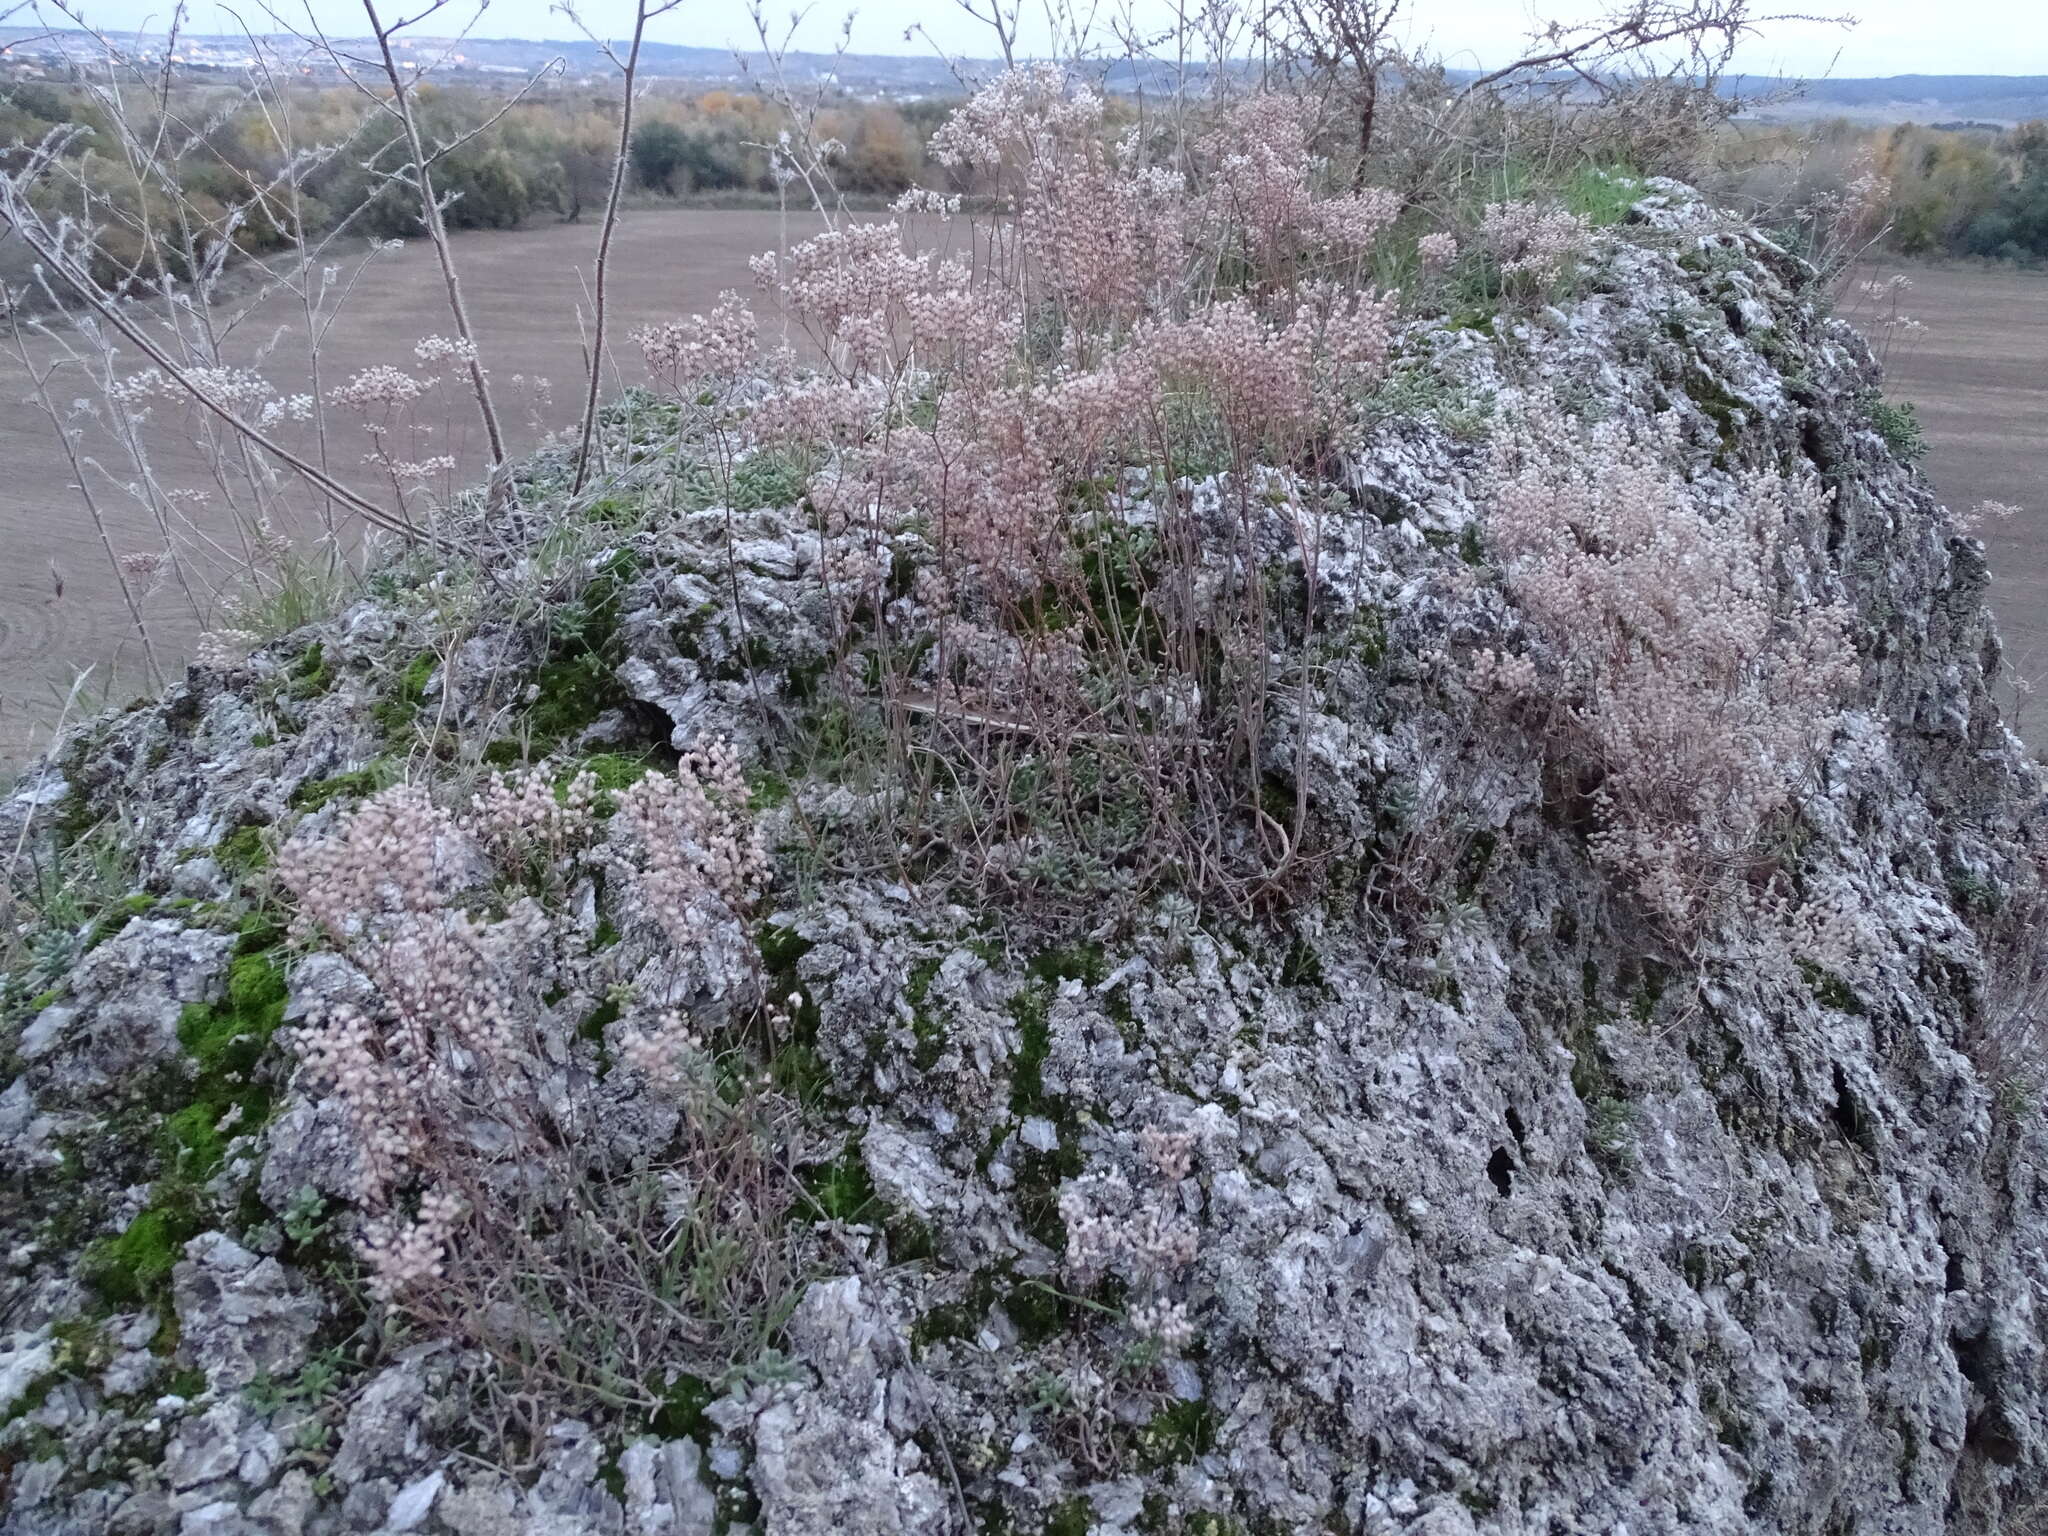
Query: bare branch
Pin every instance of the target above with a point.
(629, 70)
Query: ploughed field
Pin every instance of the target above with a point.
(1976, 373)
(60, 607)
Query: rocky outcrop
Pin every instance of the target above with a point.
(1466, 1198)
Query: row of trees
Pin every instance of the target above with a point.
(1949, 190)
(1969, 192)
(1961, 191)
(549, 156)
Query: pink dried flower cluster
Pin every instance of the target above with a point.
(713, 349)
(285, 408)
(418, 470)
(1120, 319)
(522, 818)
(1262, 187)
(145, 567)
(1701, 688)
(1015, 115)
(1110, 1228)
(1533, 244)
(444, 351)
(1986, 512)
(698, 842)
(435, 1044)
(664, 1052)
(241, 390)
(1437, 250)
(445, 1043)
(381, 385)
(1141, 1237)
(403, 1253)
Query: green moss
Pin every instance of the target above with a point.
(1650, 992)
(1030, 1007)
(766, 790)
(243, 851)
(1610, 1133)
(199, 1145)
(187, 1382)
(1027, 1067)
(1366, 637)
(616, 512)
(1070, 1519)
(135, 1267)
(615, 771)
(796, 1067)
(113, 921)
(606, 1012)
(1040, 1176)
(576, 681)
(1829, 990)
(800, 1071)
(1476, 860)
(1969, 892)
(949, 1321)
(356, 784)
(312, 674)
(1720, 407)
(396, 711)
(768, 480)
(1602, 195)
(1177, 1434)
(229, 1035)
(1302, 966)
(841, 1190)
(226, 1041)
(930, 1034)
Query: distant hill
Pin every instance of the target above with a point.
(1999, 99)
(1988, 99)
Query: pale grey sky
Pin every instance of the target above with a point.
(2006, 37)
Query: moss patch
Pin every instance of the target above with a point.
(396, 711)
(243, 851)
(222, 1096)
(311, 674)
(356, 784)
(135, 1267)
(576, 681)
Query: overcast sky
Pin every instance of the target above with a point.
(2005, 37)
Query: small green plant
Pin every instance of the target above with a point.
(1602, 195)
(305, 1218)
(243, 851)
(1899, 425)
(1612, 1132)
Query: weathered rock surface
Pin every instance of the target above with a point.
(1504, 1216)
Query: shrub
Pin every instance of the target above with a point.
(1678, 669)
(1011, 451)
(497, 1198)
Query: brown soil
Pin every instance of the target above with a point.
(60, 609)
(1978, 377)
